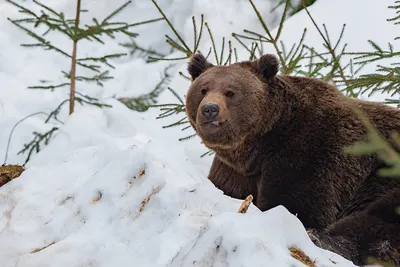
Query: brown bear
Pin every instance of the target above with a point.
(281, 139)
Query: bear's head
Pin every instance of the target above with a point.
(227, 104)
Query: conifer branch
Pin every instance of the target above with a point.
(81, 98)
(34, 145)
(56, 21)
(12, 130)
(115, 12)
(331, 49)
(188, 51)
(182, 46)
(213, 43)
(271, 38)
(258, 40)
(56, 111)
(135, 48)
(197, 40)
(385, 79)
(144, 102)
(378, 54)
(42, 42)
(293, 8)
(49, 87)
(170, 109)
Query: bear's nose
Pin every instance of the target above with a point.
(210, 111)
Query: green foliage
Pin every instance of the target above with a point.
(385, 79)
(329, 64)
(325, 64)
(303, 59)
(144, 102)
(35, 144)
(334, 64)
(295, 7)
(223, 56)
(49, 20)
(54, 21)
(136, 50)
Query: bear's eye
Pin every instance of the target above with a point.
(203, 91)
(229, 94)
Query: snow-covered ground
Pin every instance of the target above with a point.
(114, 188)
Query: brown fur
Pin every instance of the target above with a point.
(281, 139)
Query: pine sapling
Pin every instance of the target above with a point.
(54, 21)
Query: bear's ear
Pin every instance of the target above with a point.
(197, 65)
(267, 66)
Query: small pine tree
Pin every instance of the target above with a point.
(55, 21)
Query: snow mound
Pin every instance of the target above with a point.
(114, 188)
(120, 201)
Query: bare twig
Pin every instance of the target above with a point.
(245, 205)
(12, 130)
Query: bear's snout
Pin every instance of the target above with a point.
(210, 111)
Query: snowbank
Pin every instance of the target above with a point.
(96, 197)
(113, 188)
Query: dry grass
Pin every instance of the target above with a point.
(148, 198)
(245, 204)
(142, 172)
(299, 255)
(97, 197)
(40, 249)
(9, 172)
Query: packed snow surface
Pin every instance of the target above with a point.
(110, 200)
(115, 189)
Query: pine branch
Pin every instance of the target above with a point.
(115, 12)
(332, 50)
(293, 9)
(170, 109)
(181, 46)
(42, 42)
(378, 54)
(144, 102)
(34, 145)
(388, 82)
(273, 40)
(142, 52)
(12, 130)
(89, 100)
(258, 39)
(188, 51)
(385, 78)
(219, 59)
(103, 59)
(49, 87)
(96, 78)
(56, 21)
(55, 112)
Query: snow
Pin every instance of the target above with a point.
(113, 200)
(115, 189)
